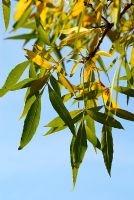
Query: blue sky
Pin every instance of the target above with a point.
(42, 170)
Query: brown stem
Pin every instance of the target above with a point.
(108, 27)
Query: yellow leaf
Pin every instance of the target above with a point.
(88, 19)
(99, 11)
(66, 83)
(42, 10)
(74, 29)
(105, 97)
(74, 69)
(72, 37)
(103, 53)
(78, 8)
(37, 59)
(87, 73)
(20, 8)
(116, 10)
(45, 54)
(132, 58)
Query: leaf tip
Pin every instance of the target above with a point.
(20, 147)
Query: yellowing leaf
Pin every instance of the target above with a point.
(72, 37)
(103, 53)
(98, 11)
(89, 19)
(116, 10)
(42, 9)
(105, 97)
(37, 59)
(78, 8)
(74, 29)
(132, 58)
(66, 83)
(74, 69)
(21, 7)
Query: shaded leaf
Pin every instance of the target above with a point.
(60, 108)
(125, 90)
(55, 85)
(122, 114)
(104, 119)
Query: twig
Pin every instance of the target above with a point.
(108, 27)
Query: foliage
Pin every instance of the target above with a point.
(69, 38)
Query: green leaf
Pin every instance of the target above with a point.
(57, 122)
(104, 119)
(55, 85)
(38, 84)
(112, 64)
(23, 37)
(102, 65)
(28, 105)
(116, 10)
(125, 90)
(90, 95)
(42, 33)
(122, 114)
(107, 147)
(31, 123)
(6, 4)
(13, 77)
(91, 136)
(22, 84)
(55, 130)
(77, 150)
(67, 97)
(60, 108)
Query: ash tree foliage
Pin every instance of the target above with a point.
(72, 43)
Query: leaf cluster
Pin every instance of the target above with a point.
(68, 38)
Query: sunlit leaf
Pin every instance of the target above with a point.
(107, 147)
(14, 76)
(66, 83)
(6, 4)
(28, 105)
(77, 150)
(31, 123)
(37, 59)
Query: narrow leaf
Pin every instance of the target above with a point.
(125, 90)
(123, 114)
(104, 119)
(14, 76)
(60, 108)
(107, 147)
(6, 4)
(31, 123)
